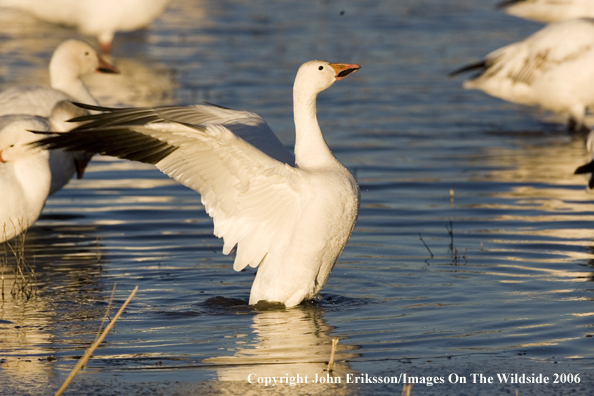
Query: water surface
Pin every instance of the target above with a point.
(473, 252)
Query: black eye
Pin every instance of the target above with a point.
(87, 53)
(321, 68)
(12, 145)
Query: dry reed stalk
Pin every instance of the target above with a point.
(25, 281)
(98, 251)
(107, 311)
(5, 260)
(331, 361)
(406, 388)
(83, 360)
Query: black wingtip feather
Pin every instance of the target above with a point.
(478, 65)
(119, 142)
(586, 168)
(40, 133)
(113, 131)
(507, 3)
(92, 117)
(94, 107)
(216, 105)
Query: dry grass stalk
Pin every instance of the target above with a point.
(25, 281)
(83, 360)
(331, 361)
(406, 389)
(4, 259)
(107, 311)
(98, 251)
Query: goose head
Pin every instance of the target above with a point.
(15, 137)
(312, 78)
(315, 76)
(74, 58)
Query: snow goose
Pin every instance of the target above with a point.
(548, 10)
(291, 215)
(101, 19)
(552, 69)
(24, 174)
(71, 60)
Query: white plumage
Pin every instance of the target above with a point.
(553, 69)
(71, 60)
(24, 174)
(291, 215)
(548, 10)
(99, 18)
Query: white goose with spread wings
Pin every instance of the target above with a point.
(291, 215)
(553, 69)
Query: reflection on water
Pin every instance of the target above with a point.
(63, 309)
(287, 343)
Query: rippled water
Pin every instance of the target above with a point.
(473, 252)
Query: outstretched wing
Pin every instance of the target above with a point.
(254, 198)
(248, 126)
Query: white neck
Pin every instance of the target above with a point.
(70, 83)
(311, 150)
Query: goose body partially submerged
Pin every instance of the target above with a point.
(289, 215)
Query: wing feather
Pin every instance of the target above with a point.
(244, 124)
(526, 61)
(251, 195)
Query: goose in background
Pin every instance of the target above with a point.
(71, 60)
(289, 215)
(548, 10)
(24, 174)
(551, 68)
(101, 19)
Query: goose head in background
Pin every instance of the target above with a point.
(71, 60)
